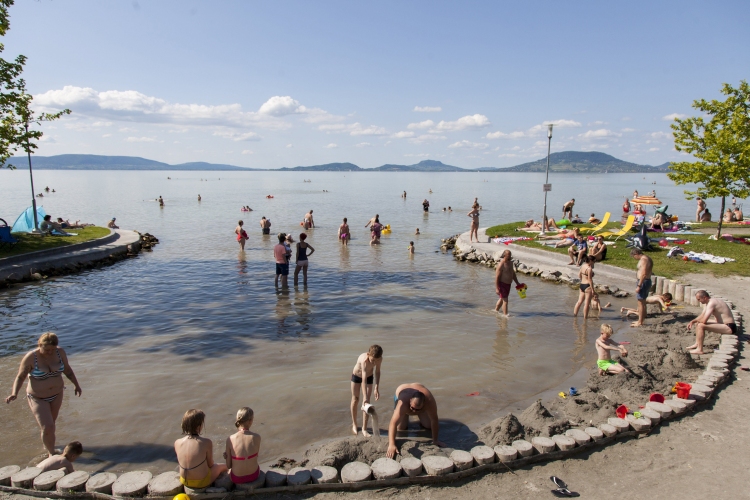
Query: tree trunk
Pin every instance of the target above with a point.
(721, 217)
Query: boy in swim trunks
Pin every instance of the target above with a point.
(69, 455)
(505, 274)
(368, 368)
(604, 344)
(344, 234)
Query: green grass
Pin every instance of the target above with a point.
(618, 255)
(31, 243)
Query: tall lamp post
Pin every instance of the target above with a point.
(31, 176)
(547, 186)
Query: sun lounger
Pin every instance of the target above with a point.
(622, 232)
(598, 227)
(5, 237)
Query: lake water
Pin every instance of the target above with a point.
(199, 324)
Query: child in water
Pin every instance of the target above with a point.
(596, 305)
(72, 451)
(604, 344)
(411, 247)
(417, 231)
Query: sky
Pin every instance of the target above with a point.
(282, 84)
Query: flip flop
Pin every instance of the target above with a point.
(558, 482)
(564, 492)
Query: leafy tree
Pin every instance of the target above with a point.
(16, 115)
(720, 141)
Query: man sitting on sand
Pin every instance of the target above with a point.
(413, 399)
(724, 324)
(72, 451)
(664, 300)
(367, 368)
(604, 344)
(578, 250)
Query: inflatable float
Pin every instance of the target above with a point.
(646, 200)
(269, 196)
(386, 229)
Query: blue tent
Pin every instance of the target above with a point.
(25, 221)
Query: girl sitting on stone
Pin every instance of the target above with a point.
(242, 449)
(195, 454)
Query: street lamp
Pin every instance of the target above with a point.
(547, 186)
(31, 176)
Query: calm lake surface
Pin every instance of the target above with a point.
(199, 324)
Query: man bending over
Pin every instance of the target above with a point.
(413, 399)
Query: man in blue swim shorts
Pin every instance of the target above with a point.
(643, 285)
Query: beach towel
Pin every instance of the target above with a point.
(707, 257)
(507, 240)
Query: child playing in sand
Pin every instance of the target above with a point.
(596, 305)
(368, 368)
(664, 300)
(411, 247)
(72, 451)
(604, 344)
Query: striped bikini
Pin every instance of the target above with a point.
(38, 374)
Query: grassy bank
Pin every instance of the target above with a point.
(30, 243)
(618, 255)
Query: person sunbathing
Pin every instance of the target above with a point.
(48, 226)
(664, 301)
(593, 220)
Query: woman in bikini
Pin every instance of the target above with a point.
(195, 454)
(375, 229)
(302, 261)
(474, 214)
(44, 367)
(242, 449)
(241, 234)
(586, 288)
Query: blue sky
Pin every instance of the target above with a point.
(274, 84)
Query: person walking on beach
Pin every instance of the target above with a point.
(308, 222)
(282, 261)
(426, 205)
(413, 399)
(586, 287)
(474, 214)
(265, 225)
(344, 233)
(505, 274)
(241, 234)
(604, 344)
(302, 261)
(643, 285)
(700, 207)
(44, 367)
(568, 208)
(724, 324)
(367, 368)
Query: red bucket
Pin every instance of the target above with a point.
(683, 390)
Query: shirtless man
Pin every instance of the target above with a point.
(474, 214)
(265, 225)
(505, 274)
(568, 208)
(724, 320)
(701, 206)
(368, 368)
(643, 286)
(344, 233)
(309, 222)
(413, 399)
(426, 204)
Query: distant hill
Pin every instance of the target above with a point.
(422, 166)
(100, 162)
(328, 167)
(580, 161)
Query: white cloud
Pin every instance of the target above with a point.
(465, 122)
(598, 122)
(468, 145)
(281, 106)
(355, 129)
(289, 146)
(628, 130)
(661, 135)
(597, 134)
(236, 136)
(427, 109)
(427, 138)
(248, 152)
(508, 155)
(557, 124)
(332, 146)
(673, 116)
(502, 135)
(421, 125)
(364, 145)
(403, 134)
(653, 149)
(107, 135)
(140, 139)
(127, 129)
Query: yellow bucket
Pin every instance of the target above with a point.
(521, 292)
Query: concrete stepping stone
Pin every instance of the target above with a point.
(46, 481)
(412, 466)
(436, 465)
(323, 474)
(190, 492)
(717, 377)
(700, 389)
(223, 481)
(166, 484)
(579, 436)
(563, 442)
(462, 459)
(689, 402)
(298, 476)
(543, 444)
(258, 483)
(651, 415)
(707, 381)
(483, 455)
(596, 434)
(132, 484)
(677, 405)
(75, 481)
(275, 477)
(525, 449)
(717, 364)
(664, 410)
(620, 424)
(386, 468)
(718, 356)
(638, 424)
(728, 336)
(25, 477)
(101, 483)
(506, 453)
(215, 489)
(355, 472)
(6, 472)
(608, 429)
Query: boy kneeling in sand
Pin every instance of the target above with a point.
(368, 368)
(72, 451)
(604, 344)
(664, 301)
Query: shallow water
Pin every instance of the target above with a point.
(197, 323)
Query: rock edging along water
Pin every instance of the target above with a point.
(441, 469)
(36, 266)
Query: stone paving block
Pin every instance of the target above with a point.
(275, 477)
(689, 402)
(581, 437)
(651, 415)
(258, 483)
(101, 483)
(596, 434)
(25, 477)
(6, 472)
(609, 430)
(355, 472)
(166, 484)
(75, 481)
(506, 453)
(563, 442)
(462, 459)
(386, 468)
(191, 492)
(543, 444)
(638, 424)
(618, 423)
(436, 465)
(47, 481)
(298, 476)
(223, 481)
(664, 410)
(483, 455)
(215, 489)
(132, 484)
(323, 474)
(412, 466)
(525, 449)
